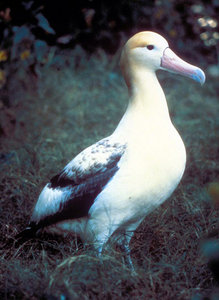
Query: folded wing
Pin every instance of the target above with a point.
(71, 193)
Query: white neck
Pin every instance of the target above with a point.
(147, 102)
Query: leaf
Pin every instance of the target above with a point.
(41, 50)
(44, 24)
(21, 33)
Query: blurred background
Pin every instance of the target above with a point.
(102, 24)
(60, 91)
(28, 27)
(32, 31)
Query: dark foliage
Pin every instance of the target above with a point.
(94, 24)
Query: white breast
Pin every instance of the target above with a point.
(149, 172)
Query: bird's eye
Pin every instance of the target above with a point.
(150, 47)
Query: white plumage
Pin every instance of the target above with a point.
(112, 185)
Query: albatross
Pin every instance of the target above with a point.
(110, 187)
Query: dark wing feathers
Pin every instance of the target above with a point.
(81, 199)
(75, 174)
(84, 181)
(61, 180)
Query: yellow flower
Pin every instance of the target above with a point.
(3, 55)
(173, 33)
(25, 54)
(2, 78)
(2, 75)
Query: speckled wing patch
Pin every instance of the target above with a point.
(95, 159)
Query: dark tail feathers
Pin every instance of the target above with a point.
(28, 233)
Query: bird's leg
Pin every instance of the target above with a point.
(124, 246)
(127, 257)
(99, 252)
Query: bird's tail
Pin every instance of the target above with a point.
(28, 233)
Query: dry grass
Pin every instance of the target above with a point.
(50, 120)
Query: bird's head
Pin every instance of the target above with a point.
(149, 50)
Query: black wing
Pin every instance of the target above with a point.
(81, 199)
(81, 183)
(82, 179)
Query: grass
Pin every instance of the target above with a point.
(69, 106)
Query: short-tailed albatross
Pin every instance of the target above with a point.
(111, 186)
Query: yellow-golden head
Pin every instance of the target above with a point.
(150, 51)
